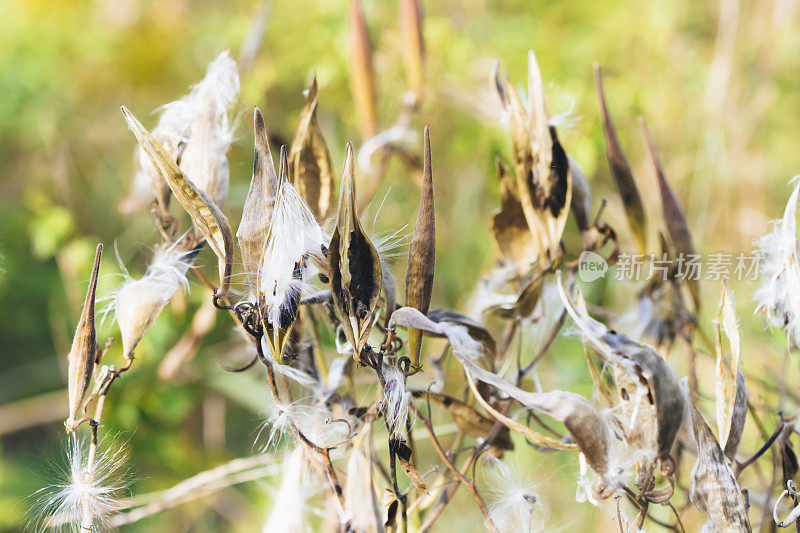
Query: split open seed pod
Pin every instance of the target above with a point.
(643, 365)
(293, 250)
(422, 254)
(508, 227)
(309, 159)
(205, 214)
(257, 211)
(83, 354)
(541, 165)
(353, 264)
(713, 487)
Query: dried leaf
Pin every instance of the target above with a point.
(413, 45)
(403, 454)
(309, 159)
(584, 423)
(362, 74)
(257, 211)
(467, 418)
(508, 227)
(462, 343)
(713, 488)
(621, 171)
(422, 254)
(354, 265)
(83, 354)
(475, 329)
(205, 214)
(674, 216)
(726, 373)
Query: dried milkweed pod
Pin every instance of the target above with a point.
(83, 354)
(713, 488)
(540, 163)
(509, 230)
(309, 159)
(205, 214)
(422, 254)
(727, 372)
(139, 302)
(354, 265)
(647, 370)
(621, 171)
(581, 205)
(260, 201)
(413, 45)
(362, 74)
(674, 217)
(662, 312)
(293, 247)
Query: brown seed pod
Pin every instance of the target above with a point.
(674, 217)
(508, 227)
(309, 159)
(713, 487)
(413, 45)
(540, 164)
(257, 211)
(354, 265)
(422, 254)
(362, 74)
(205, 214)
(621, 171)
(643, 366)
(83, 354)
(581, 205)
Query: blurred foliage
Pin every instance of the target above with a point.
(717, 82)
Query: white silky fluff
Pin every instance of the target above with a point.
(295, 239)
(210, 132)
(83, 498)
(201, 120)
(396, 397)
(778, 296)
(139, 301)
(512, 500)
(289, 505)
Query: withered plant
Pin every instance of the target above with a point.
(388, 422)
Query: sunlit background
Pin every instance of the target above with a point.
(716, 81)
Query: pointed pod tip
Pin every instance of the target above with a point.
(257, 116)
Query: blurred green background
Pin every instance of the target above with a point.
(717, 82)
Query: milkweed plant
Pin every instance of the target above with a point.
(358, 411)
